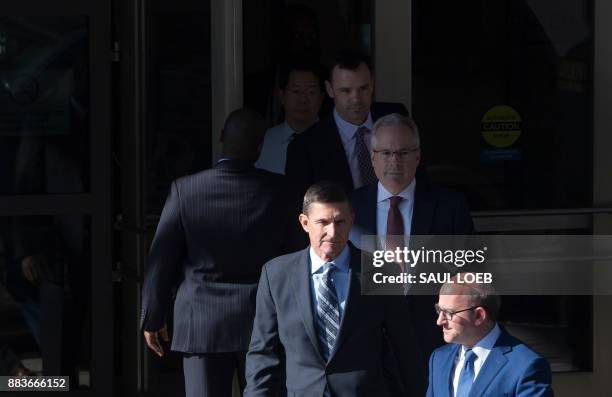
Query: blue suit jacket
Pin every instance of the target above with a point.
(511, 369)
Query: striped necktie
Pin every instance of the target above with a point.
(328, 313)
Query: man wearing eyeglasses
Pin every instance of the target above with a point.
(481, 358)
(400, 204)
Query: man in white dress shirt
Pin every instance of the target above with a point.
(337, 147)
(301, 95)
(403, 204)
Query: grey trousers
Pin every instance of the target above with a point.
(211, 374)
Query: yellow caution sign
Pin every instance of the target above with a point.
(501, 126)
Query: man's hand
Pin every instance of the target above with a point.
(152, 339)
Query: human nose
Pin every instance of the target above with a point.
(354, 96)
(441, 319)
(330, 231)
(303, 97)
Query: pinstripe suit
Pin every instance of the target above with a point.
(217, 229)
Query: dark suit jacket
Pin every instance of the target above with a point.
(317, 154)
(511, 369)
(284, 338)
(436, 212)
(217, 229)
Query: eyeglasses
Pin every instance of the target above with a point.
(401, 155)
(448, 314)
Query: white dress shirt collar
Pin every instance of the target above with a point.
(341, 263)
(407, 194)
(484, 346)
(347, 130)
(481, 349)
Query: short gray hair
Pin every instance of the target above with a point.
(396, 120)
(479, 294)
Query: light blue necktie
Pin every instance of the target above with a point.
(328, 312)
(466, 378)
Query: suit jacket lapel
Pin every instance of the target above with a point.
(335, 147)
(494, 363)
(365, 209)
(422, 213)
(446, 374)
(303, 297)
(352, 299)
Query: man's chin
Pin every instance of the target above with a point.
(448, 337)
(331, 250)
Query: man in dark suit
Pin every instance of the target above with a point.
(402, 204)
(481, 359)
(313, 324)
(337, 147)
(217, 228)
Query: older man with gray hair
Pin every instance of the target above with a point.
(400, 204)
(481, 358)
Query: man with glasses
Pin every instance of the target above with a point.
(481, 359)
(400, 204)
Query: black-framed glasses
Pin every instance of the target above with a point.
(401, 155)
(448, 314)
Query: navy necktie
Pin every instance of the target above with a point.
(466, 378)
(328, 312)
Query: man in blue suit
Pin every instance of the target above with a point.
(481, 359)
(315, 331)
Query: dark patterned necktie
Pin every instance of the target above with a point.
(366, 171)
(328, 312)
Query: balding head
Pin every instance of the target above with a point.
(467, 311)
(242, 135)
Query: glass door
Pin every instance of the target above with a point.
(55, 229)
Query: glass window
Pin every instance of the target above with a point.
(45, 296)
(178, 134)
(277, 32)
(44, 105)
(502, 93)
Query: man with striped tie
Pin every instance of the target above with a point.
(481, 358)
(313, 325)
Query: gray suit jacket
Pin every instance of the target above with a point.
(375, 354)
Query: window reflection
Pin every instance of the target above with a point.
(44, 105)
(533, 60)
(45, 296)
